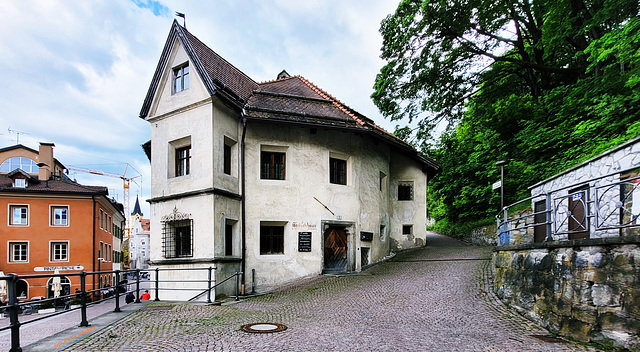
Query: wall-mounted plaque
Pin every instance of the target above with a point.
(366, 236)
(304, 241)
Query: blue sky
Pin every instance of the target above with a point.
(76, 72)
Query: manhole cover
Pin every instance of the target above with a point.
(261, 328)
(547, 338)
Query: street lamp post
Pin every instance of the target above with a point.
(502, 163)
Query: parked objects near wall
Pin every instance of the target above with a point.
(572, 261)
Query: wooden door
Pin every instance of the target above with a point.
(540, 220)
(335, 250)
(578, 211)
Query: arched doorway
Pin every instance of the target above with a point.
(66, 287)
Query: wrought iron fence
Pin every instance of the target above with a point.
(604, 206)
(16, 308)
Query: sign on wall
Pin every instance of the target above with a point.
(59, 268)
(304, 241)
(366, 236)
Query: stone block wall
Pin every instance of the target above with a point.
(586, 289)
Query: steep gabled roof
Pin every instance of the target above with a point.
(286, 99)
(219, 76)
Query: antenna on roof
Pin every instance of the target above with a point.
(184, 19)
(18, 133)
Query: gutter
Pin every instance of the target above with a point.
(244, 202)
(93, 249)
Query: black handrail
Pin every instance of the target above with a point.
(14, 307)
(208, 290)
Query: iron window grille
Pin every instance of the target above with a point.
(405, 191)
(177, 238)
(272, 165)
(338, 171)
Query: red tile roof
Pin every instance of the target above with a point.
(52, 187)
(288, 99)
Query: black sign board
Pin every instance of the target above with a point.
(366, 236)
(304, 241)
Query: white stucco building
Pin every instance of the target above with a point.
(277, 177)
(139, 243)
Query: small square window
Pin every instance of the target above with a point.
(272, 165)
(338, 171)
(180, 78)
(19, 215)
(20, 183)
(407, 229)
(18, 252)
(405, 191)
(59, 215)
(271, 239)
(59, 251)
(183, 160)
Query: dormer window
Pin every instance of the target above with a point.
(20, 183)
(180, 78)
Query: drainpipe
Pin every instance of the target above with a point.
(93, 249)
(244, 197)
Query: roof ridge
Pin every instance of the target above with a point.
(277, 80)
(337, 103)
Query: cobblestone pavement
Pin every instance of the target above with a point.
(431, 299)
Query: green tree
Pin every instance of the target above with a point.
(546, 84)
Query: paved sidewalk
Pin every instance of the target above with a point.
(431, 299)
(47, 332)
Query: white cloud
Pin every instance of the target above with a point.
(76, 72)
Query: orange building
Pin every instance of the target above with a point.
(49, 222)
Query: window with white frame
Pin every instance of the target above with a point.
(180, 78)
(59, 251)
(19, 215)
(20, 183)
(18, 252)
(59, 215)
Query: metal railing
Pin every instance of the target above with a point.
(603, 206)
(15, 308)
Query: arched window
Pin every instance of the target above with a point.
(22, 288)
(64, 282)
(19, 162)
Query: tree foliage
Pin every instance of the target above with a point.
(545, 84)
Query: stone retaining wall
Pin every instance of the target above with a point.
(586, 289)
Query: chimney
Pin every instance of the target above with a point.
(45, 156)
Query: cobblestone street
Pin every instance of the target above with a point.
(431, 299)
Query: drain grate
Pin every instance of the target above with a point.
(547, 338)
(157, 308)
(261, 328)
